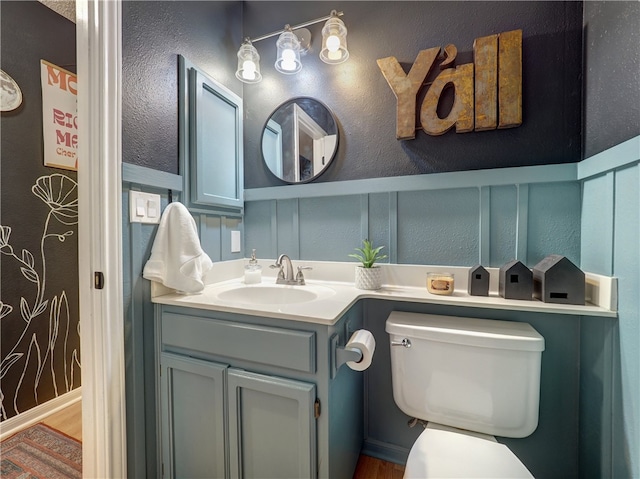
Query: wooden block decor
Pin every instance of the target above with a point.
(557, 280)
(478, 284)
(487, 92)
(516, 281)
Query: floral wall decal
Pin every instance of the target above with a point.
(44, 359)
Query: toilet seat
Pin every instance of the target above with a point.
(443, 452)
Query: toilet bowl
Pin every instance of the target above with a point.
(471, 379)
(442, 451)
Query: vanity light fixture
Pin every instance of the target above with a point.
(334, 41)
(288, 58)
(291, 43)
(248, 63)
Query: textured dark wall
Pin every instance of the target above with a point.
(153, 34)
(365, 105)
(39, 272)
(612, 74)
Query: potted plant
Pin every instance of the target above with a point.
(368, 275)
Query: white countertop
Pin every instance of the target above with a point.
(402, 283)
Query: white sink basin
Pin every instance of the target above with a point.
(274, 294)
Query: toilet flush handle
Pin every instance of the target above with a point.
(405, 342)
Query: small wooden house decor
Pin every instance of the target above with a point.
(557, 280)
(516, 281)
(478, 284)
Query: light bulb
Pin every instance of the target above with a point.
(288, 60)
(333, 43)
(249, 70)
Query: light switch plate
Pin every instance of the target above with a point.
(235, 241)
(144, 207)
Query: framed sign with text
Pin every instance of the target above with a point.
(59, 116)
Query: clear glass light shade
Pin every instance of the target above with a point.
(334, 41)
(248, 64)
(288, 59)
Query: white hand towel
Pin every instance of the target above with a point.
(177, 259)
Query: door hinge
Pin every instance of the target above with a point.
(98, 280)
(163, 469)
(316, 409)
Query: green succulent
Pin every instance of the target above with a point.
(368, 255)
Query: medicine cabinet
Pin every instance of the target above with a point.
(211, 159)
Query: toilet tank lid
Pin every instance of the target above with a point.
(486, 333)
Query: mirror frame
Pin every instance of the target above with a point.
(269, 126)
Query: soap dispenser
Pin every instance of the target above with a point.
(253, 271)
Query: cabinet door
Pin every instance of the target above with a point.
(216, 143)
(193, 417)
(272, 428)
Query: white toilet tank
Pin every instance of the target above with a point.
(476, 374)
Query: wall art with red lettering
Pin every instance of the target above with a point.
(59, 116)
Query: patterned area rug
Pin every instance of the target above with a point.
(40, 452)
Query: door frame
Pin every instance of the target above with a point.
(99, 65)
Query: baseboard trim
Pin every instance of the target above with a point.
(38, 413)
(385, 451)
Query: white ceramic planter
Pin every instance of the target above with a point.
(368, 278)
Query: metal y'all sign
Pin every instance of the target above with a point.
(488, 92)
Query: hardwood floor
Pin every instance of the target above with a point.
(372, 468)
(68, 420)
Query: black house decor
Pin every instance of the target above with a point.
(516, 281)
(478, 281)
(558, 280)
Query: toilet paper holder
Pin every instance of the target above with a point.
(341, 354)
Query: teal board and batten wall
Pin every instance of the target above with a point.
(506, 224)
(457, 219)
(590, 214)
(137, 241)
(610, 369)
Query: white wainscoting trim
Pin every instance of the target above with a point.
(38, 413)
(435, 181)
(618, 156)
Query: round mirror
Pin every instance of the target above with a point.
(299, 140)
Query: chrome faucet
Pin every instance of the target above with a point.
(286, 276)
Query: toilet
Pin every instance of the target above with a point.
(471, 379)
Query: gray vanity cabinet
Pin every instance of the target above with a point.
(249, 397)
(193, 417)
(272, 429)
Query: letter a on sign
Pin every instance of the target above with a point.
(461, 114)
